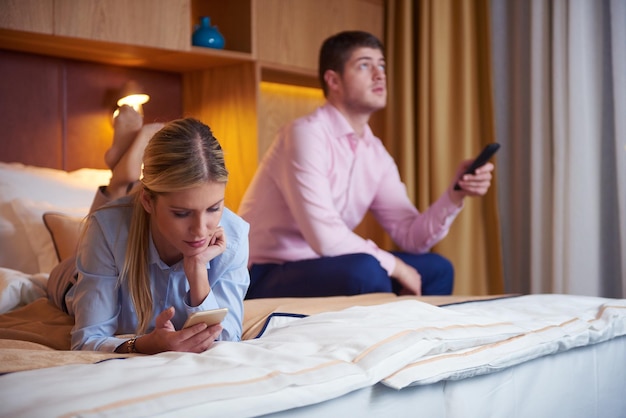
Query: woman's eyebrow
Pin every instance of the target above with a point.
(173, 207)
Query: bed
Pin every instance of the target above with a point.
(369, 355)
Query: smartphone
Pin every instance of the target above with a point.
(210, 317)
(479, 161)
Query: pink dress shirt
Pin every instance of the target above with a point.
(316, 183)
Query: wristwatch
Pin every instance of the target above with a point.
(130, 345)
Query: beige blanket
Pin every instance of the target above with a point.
(38, 334)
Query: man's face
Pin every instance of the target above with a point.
(363, 85)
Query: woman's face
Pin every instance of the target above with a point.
(182, 223)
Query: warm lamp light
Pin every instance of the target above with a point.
(133, 95)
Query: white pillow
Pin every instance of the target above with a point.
(56, 187)
(30, 216)
(26, 192)
(15, 250)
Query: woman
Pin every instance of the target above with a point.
(169, 248)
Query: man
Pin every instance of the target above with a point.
(321, 176)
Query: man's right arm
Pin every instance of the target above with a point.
(304, 177)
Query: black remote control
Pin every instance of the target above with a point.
(482, 158)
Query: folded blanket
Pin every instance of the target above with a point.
(45, 326)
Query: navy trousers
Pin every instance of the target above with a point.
(344, 275)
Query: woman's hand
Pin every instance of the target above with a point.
(164, 337)
(216, 246)
(195, 267)
(476, 184)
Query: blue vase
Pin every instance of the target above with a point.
(206, 35)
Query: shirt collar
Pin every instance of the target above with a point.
(153, 257)
(341, 127)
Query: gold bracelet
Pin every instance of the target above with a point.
(130, 345)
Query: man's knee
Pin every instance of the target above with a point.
(364, 274)
(442, 273)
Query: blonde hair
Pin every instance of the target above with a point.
(182, 155)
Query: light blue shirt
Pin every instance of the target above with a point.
(102, 308)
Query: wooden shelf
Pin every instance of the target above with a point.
(197, 58)
(284, 74)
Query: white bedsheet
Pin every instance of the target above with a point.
(309, 360)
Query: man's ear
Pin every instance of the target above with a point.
(146, 201)
(332, 79)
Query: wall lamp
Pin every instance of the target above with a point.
(133, 95)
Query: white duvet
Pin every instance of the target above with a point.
(301, 361)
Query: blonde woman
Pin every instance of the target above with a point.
(166, 249)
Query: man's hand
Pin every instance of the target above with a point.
(476, 184)
(408, 277)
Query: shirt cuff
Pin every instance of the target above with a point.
(210, 302)
(446, 209)
(387, 261)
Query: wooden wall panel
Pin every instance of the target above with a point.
(57, 113)
(157, 23)
(28, 15)
(91, 94)
(291, 32)
(31, 123)
(225, 98)
(279, 104)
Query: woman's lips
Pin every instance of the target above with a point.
(196, 244)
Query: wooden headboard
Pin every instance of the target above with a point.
(56, 112)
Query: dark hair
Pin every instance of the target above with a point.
(337, 49)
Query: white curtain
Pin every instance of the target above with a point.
(560, 98)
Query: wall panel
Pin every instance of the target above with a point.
(57, 113)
